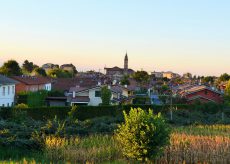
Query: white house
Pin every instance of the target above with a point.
(7, 91)
(85, 96)
(92, 95)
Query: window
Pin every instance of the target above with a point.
(13, 89)
(97, 93)
(8, 90)
(3, 91)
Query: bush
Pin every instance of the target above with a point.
(21, 106)
(143, 135)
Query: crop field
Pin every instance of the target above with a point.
(191, 144)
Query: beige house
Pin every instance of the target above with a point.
(170, 75)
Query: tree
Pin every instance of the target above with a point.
(227, 92)
(141, 77)
(209, 79)
(39, 72)
(224, 77)
(143, 135)
(28, 66)
(164, 89)
(178, 81)
(125, 80)
(59, 73)
(105, 95)
(11, 68)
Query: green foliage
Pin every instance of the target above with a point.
(143, 136)
(88, 112)
(105, 95)
(39, 72)
(56, 93)
(59, 73)
(21, 106)
(141, 100)
(141, 77)
(37, 99)
(11, 68)
(19, 113)
(33, 99)
(164, 89)
(125, 80)
(28, 66)
(164, 98)
(224, 77)
(22, 98)
(208, 79)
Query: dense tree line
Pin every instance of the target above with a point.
(12, 68)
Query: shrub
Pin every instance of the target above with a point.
(143, 135)
(21, 106)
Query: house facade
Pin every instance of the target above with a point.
(85, 96)
(49, 66)
(170, 75)
(32, 83)
(7, 91)
(157, 74)
(68, 67)
(92, 95)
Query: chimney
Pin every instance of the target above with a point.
(74, 94)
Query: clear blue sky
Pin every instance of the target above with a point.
(177, 35)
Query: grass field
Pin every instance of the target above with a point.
(192, 144)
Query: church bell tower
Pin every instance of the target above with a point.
(126, 64)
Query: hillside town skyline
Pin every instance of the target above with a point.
(120, 64)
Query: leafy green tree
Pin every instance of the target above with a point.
(141, 77)
(227, 93)
(106, 95)
(178, 81)
(39, 72)
(164, 89)
(37, 99)
(28, 66)
(224, 77)
(59, 73)
(11, 68)
(209, 79)
(125, 80)
(143, 135)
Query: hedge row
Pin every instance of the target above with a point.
(87, 112)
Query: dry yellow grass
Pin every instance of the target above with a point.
(197, 149)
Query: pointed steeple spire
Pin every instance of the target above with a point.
(126, 63)
(126, 56)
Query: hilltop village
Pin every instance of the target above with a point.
(65, 86)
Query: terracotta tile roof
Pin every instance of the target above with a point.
(64, 84)
(197, 88)
(32, 80)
